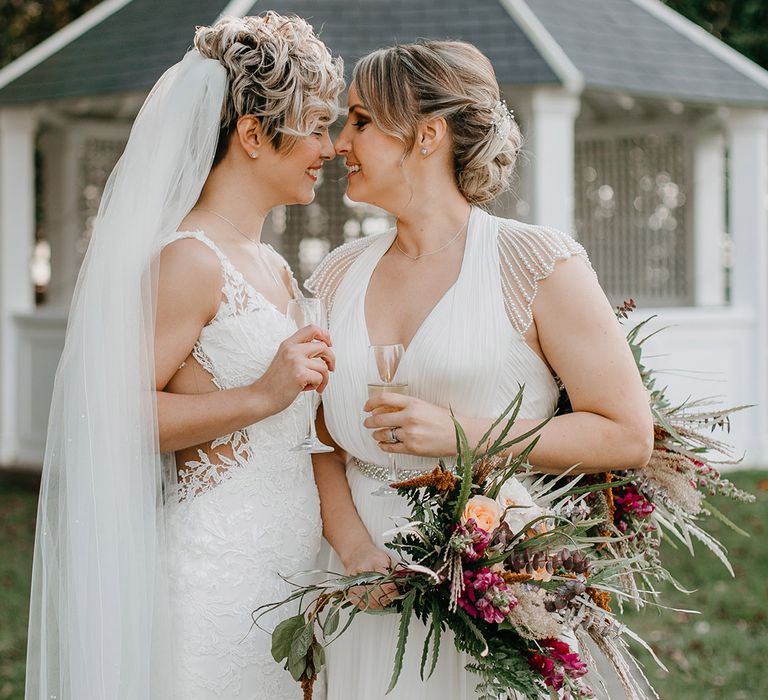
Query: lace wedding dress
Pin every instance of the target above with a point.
(246, 511)
(469, 354)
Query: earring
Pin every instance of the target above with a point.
(252, 154)
(424, 151)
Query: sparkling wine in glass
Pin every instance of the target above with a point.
(384, 377)
(306, 312)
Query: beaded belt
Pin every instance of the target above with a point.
(380, 473)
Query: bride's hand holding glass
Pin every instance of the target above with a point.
(300, 364)
(421, 428)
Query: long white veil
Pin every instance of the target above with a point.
(98, 621)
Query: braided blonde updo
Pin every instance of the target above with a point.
(405, 84)
(278, 71)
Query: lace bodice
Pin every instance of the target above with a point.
(470, 352)
(235, 348)
(247, 513)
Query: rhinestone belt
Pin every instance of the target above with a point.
(380, 473)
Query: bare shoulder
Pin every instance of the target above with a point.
(190, 277)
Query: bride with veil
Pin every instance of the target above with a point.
(147, 564)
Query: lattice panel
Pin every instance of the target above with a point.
(310, 232)
(98, 157)
(632, 215)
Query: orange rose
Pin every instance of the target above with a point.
(485, 512)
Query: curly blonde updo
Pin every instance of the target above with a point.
(405, 84)
(278, 71)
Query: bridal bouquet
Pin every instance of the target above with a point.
(669, 495)
(511, 571)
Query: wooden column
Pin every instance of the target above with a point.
(17, 231)
(553, 118)
(748, 206)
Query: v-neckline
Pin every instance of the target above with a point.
(374, 264)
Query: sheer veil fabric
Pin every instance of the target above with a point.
(98, 621)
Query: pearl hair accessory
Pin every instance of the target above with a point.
(502, 117)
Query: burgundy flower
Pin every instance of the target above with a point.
(556, 662)
(629, 500)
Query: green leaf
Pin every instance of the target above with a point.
(725, 520)
(425, 653)
(283, 636)
(300, 644)
(331, 623)
(402, 637)
(466, 462)
(318, 655)
(437, 626)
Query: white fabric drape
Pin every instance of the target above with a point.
(466, 355)
(98, 627)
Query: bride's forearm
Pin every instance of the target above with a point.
(593, 442)
(185, 420)
(342, 525)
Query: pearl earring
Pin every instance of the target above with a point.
(252, 154)
(424, 151)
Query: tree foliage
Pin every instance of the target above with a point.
(742, 24)
(25, 23)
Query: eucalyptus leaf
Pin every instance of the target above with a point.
(283, 636)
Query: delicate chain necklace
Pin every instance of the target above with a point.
(432, 252)
(258, 244)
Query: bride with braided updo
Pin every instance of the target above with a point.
(171, 501)
(481, 304)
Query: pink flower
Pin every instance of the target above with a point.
(469, 540)
(486, 595)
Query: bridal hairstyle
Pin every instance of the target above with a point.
(99, 615)
(403, 85)
(278, 71)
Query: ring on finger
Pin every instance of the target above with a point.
(392, 436)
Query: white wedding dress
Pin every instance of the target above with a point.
(246, 512)
(469, 354)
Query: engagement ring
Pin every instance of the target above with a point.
(392, 437)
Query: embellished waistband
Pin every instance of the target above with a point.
(381, 473)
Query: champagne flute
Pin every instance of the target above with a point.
(306, 312)
(383, 377)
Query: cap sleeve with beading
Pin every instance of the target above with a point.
(325, 280)
(527, 255)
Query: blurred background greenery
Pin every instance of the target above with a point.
(715, 655)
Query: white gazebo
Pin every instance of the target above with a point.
(645, 137)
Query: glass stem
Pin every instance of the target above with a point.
(393, 474)
(310, 416)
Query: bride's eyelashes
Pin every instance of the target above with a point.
(359, 124)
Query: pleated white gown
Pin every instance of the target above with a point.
(468, 354)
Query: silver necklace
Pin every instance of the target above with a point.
(258, 244)
(431, 252)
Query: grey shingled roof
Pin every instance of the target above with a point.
(131, 48)
(127, 51)
(617, 45)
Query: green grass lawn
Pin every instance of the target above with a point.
(713, 656)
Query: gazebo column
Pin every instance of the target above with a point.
(748, 146)
(553, 119)
(17, 232)
(709, 218)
